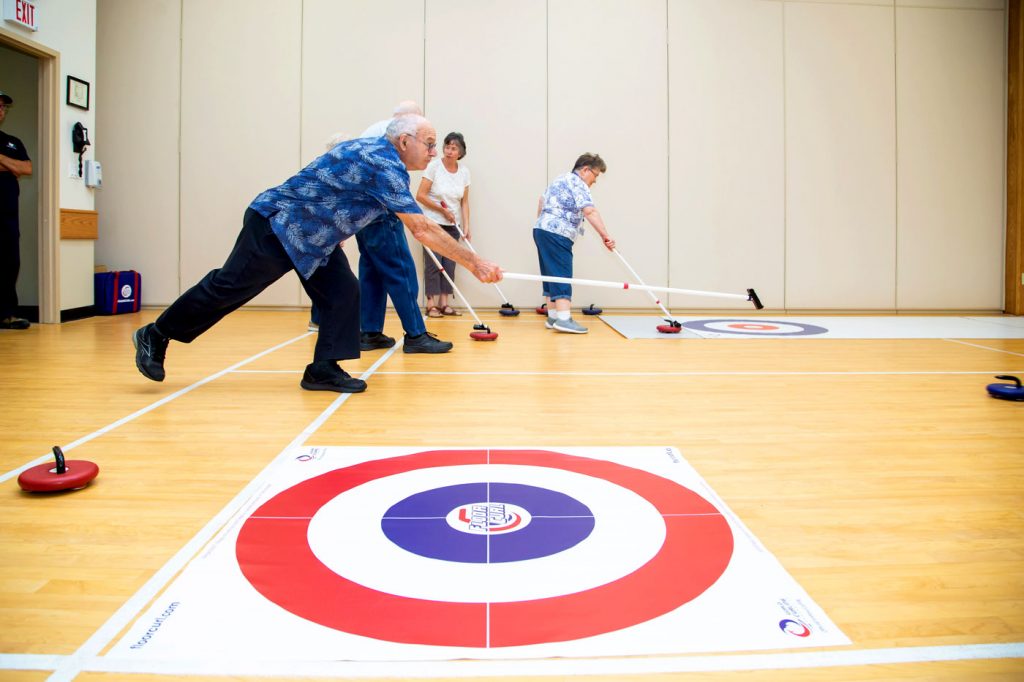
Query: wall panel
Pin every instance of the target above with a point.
(607, 94)
(359, 59)
(726, 150)
(138, 66)
(951, 80)
(239, 123)
(840, 156)
(485, 78)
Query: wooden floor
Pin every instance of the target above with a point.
(877, 471)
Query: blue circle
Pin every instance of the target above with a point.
(419, 523)
(804, 329)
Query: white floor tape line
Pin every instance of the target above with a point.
(149, 408)
(978, 345)
(546, 667)
(30, 662)
(72, 665)
(707, 373)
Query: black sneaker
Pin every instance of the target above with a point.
(426, 343)
(150, 350)
(375, 340)
(14, 323)
(325, 375)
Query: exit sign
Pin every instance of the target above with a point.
(21, 12)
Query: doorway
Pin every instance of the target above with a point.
(32, 76)
(20, 81)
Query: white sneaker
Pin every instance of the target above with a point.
(549, 322)
(570, 326)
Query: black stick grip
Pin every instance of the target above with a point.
(752, 296)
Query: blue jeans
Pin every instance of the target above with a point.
(386, 269)
(555, 255)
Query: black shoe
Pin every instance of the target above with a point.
(325, 375)
(426, 343)
(375, 340)
(14, 323)
(150, 350)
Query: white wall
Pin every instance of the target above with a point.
(340, 99)
(606, 84)
(951, 170)
(833, 155)
(840, 156)
(69, 27)
(726, 149)
(240, 111)
(138, 130)
(489, 84)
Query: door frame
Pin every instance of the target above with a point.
(1014, 269)
(48, 165)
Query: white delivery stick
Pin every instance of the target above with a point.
(654, 298)
(470, 245)
(751, 295)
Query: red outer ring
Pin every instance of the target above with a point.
(38, 479)
(274, 555)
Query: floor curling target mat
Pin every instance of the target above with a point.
(392, 554)
(848, 327)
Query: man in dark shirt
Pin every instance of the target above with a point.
(14, 163)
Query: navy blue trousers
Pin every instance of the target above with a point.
(10, 265)
(257, 261)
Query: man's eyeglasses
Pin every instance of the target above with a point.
(4, 106)
(430, 146)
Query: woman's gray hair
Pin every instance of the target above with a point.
(404, 125)
(336, 139)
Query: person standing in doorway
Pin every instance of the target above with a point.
(14, 164)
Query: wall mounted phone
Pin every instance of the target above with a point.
(79, 141)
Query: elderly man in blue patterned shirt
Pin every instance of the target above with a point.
(297, 226)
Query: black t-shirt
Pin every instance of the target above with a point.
(9, 188)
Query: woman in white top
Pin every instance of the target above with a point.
(444, 196)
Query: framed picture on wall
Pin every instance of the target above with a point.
(78, 93)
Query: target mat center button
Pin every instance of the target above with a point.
(488, 518)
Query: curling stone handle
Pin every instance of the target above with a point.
(58, 455)
(1007, 377)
